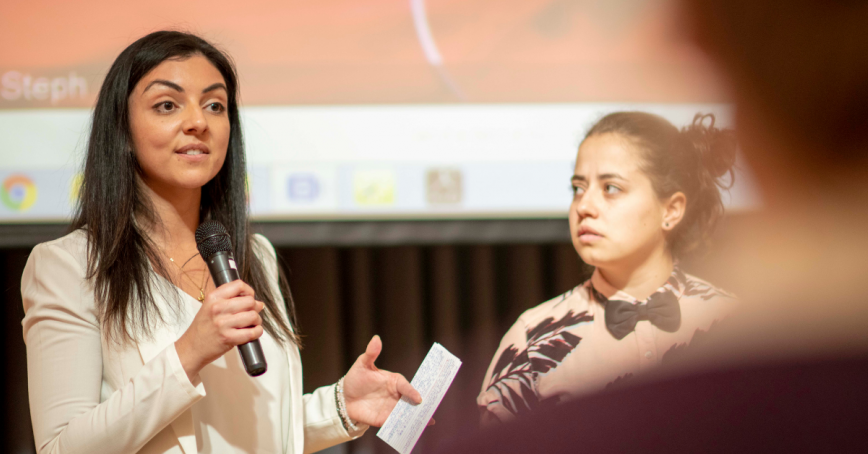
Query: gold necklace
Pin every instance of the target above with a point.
(204, 280)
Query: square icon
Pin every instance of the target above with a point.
(302, 187)
(374, 187)
(443, 186)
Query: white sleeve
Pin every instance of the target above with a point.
(65, 368)
(322, 424)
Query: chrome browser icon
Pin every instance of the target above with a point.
(18, 192)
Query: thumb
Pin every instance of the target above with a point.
(375, 346)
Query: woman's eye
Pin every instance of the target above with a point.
(216, 107)
(165, 106)
(578, 190)
(612, 189)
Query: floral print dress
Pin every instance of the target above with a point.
(562, 348)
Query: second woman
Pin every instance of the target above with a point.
(645, 193)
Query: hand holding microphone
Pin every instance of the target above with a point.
(229, 316)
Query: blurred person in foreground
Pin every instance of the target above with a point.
(787, 372)
(645, 194)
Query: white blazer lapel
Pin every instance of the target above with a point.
(169, 332)
(186, 433)
(162, 338)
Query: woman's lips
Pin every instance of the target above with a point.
(194, 152)
(588, 236)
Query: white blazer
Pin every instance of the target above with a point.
(90, 395)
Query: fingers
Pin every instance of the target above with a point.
(237, 319)
(242, 304)
(375, 346)
(431, 422)
(228, 308)
(240, 313)
(231, 290)
(406, 389)
(245, 335)
(240, 320)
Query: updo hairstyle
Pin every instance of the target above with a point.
(697, 161)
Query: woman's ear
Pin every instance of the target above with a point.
(673, 210)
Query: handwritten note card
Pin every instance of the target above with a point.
(405, 424)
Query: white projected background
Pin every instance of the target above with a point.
(359, 162)
(394, 110)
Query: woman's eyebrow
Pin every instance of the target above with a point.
(605, 176)
(167, 83)
(180, 89)
(213, 87)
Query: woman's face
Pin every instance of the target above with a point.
(180, 126)
(616, 218)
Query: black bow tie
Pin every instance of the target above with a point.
(662, 310)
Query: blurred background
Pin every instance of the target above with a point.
(409, 159)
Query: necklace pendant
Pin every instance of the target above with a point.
(201, 296)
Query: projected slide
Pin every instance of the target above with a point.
(375, 109)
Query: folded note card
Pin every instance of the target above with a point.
(405, 424)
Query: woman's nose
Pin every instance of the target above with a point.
(195, 123)
(588, 205)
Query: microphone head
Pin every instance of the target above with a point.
(211, 238)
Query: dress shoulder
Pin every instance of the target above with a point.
(576, 300)
(699, 288)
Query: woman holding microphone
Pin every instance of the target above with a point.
(645, 194)
(130, 347)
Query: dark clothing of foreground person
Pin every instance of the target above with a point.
(805, 407)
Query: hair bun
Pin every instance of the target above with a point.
(716, 147)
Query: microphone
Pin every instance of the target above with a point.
(215, 246)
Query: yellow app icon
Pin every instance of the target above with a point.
(75, 187)
(374, 187)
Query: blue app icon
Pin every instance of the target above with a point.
(303, 187)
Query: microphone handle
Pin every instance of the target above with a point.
(223, 270)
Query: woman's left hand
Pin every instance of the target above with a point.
(370, 393)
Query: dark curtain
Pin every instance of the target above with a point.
(16, 434)
(464, 297)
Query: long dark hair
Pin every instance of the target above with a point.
(111, 207)
(696, 160)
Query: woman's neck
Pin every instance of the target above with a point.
(177, 216)
(642, 280)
